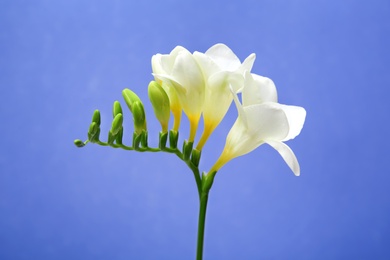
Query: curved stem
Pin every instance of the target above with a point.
(201, 224)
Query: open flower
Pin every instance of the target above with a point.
(181, 76)
(262, 120)
(222, 71)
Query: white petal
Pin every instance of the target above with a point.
(287, 154)
(267, 121)
(207, 65)
(217, 103)
(168, 60)
(177, 50)
(267, 88)
(170, 81)
(224, 57)
(240, 109)
(224, 79)
(258, 90)
(187, 72)
(247, 63)
(296, 118)
(239, 141)
(156, 65)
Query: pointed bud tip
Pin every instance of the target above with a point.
(96, 117)
(130, 97)
(116, 109)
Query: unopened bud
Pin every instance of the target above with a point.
(79, 143)
(93, 132)
(139, 117)
(116, 109)
(160, 102)
(116, 124)
(93, 127)
(130, 98)
(137, 108)
(96, 117)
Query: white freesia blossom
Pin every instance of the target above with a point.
(262, 120)
(181, 75)
(222, 70)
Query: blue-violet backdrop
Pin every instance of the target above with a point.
(60, 60)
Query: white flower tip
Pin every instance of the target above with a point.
(297, 172)
(252, 56)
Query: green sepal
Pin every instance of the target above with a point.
(117, 124)
(195, 157)
(119, 136)
(111, 138)
(79, 143)
(163, 137)
(144, 139)
(116, 109)
(96, 117)
(207, 181)
(136, 140)
(173, 139)
(187, 148)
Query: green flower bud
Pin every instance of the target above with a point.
(93, 128)
(93, 132)
(116, 124)
(96, 117)
(137, 108)
(79, 143)
(160, 102)
(130, 98)
(139, 117)
(116, 109)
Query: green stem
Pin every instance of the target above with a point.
(201, 224)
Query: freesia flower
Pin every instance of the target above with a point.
(261, 120)
(222, 70)
(182, 78)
